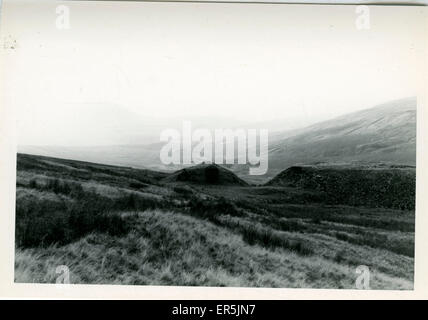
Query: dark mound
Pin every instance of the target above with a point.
(372, 187)
(210, 174)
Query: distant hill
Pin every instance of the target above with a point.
(380, 186)
(385, 133)
(136, 156)
(82, 170)
(210, 174)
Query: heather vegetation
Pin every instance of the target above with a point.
(372, 187)
(127, 226)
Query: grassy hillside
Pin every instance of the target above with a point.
(385, 133)
(126, 226)
(385, 186)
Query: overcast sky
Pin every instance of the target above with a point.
(252, 63)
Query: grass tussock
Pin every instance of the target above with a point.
(212, 208)
(41, 223)
(270, 239)
(169, 248)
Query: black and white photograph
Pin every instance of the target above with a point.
(214, 144)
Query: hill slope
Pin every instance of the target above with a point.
(385, 133)
(356, 186)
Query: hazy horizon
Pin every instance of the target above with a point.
(124, 71)
(152, 138)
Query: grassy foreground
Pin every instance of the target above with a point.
(113, 225)
(167, 248)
